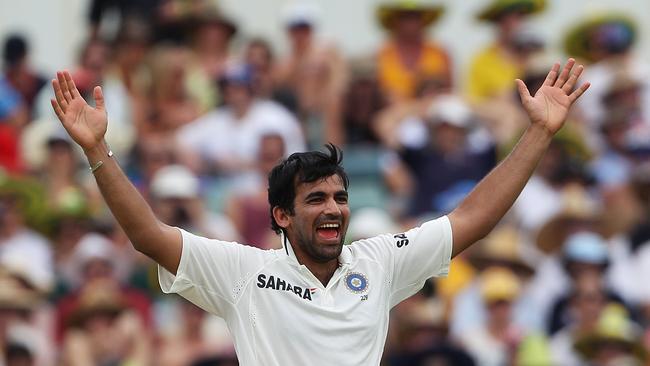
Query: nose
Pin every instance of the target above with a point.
(332, 207)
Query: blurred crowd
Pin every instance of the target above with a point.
(199, 113)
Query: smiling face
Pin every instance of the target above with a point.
(320, 220)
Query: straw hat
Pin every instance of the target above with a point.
(388, 12)
(614, 326)
(501, 248)
(213, 16)
(499, 284)
(578, 42)
(100, 297)
(14, 296)
(498, 8)
(578, 209)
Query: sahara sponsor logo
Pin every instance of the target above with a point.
(276, 283)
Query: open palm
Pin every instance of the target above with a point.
(550, 105)
(85, 124)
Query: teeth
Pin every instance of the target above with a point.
(324, 226)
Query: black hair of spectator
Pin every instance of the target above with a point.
(18, 354)
(15, 50)
(298, 168)
(264, 44)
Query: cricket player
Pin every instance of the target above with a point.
(315, 301)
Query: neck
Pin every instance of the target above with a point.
(322, 271)
(498, 329)
(240, 110)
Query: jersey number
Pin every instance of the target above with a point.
(402, 240)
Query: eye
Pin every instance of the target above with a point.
(342, 199)
(315, 200)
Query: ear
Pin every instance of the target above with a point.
(281, 217)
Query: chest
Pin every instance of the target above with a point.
(355, 300)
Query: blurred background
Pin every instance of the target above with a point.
(204, 97)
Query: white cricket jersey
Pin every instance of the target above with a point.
(280, 314)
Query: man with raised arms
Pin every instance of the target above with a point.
(315, 301)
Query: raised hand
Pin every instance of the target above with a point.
(85, 124)
(550, 105)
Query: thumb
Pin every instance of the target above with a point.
(99, 98)
(523, 90)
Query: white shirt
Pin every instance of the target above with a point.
(279, 313)
(220, 136)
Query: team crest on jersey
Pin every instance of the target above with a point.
(356, 282)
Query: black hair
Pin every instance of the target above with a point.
(303, 167)
(15, 50)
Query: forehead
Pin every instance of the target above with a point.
(331, 184)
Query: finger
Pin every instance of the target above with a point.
(564, 76)
(550, 78)
(74, 92)
(578, 92)
(99, 98)
(568, 87)
(64, 87)
(523, 90)
(57, 109)
(58, 94)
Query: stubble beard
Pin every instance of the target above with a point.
(318, 252)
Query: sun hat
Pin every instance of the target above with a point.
(388, 12)
(497, 8)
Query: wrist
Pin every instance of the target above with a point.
(539, 133)
(101, 149)
(97, 155)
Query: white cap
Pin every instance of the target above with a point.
(450, 109)
(175, 181)
(93, 246)
(368, 222)
(300, 12)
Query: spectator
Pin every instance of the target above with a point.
(18, 72)
(94, 268)
(22, 245)
(314, 75)
(496, 342)
(193, 342)
(503, 248)
(422, 336)
(226, 140)
(407, 59)
(608, 41)
(362, 102)
(249, 208)
(24, 335)
(171, 104)
(259, 56)
(615, 340)
(212, 34)
(585, 304)
(175, 198)
(102, 329)
(585, 257)
(450, 150)
(493, 69)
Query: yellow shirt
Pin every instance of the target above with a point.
(491, 74)
(399, 81)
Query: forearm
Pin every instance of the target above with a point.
(489, 201)
(127, 205)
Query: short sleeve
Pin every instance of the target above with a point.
(212, 273)
(419, 254)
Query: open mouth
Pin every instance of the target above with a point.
(328, 231)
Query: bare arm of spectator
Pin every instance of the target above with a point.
(388, 120)
(87, 127)
(482, 209)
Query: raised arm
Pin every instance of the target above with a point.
(482, 209)
(87, 127)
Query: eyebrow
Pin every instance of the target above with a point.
(320, 194)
